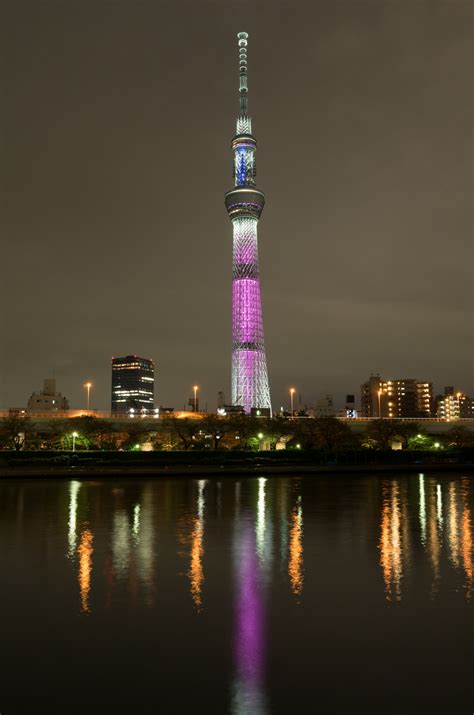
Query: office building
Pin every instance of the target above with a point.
(133, 380)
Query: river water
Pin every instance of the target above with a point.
(314, 594)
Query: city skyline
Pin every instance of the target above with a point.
(359, 397)
(366, 122)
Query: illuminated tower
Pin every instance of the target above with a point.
(244, 205)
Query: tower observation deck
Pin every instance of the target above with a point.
(244, 205)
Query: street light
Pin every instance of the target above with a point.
(74, 435)
(379, 393)
(292, 394)
(195, 388)
(88, 386)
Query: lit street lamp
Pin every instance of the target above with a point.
(379, 393)
(292, 394)
(74, 435)
(195, 388)
(88, 386)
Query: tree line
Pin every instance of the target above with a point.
(237, 432)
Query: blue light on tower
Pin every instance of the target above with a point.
(241, 168)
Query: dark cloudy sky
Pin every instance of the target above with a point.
(118, 117)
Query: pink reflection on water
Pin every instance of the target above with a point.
(249, 635)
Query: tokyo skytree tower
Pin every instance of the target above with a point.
(244, 205)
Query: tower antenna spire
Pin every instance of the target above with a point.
(242, 38)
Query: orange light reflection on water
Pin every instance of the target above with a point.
(466, 539)
(390, 542)
(85, 551)
(295, 563)
(453, 525)
(196, 572)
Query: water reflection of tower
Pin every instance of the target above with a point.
(249, 628)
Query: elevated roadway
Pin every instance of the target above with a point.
(432, 425)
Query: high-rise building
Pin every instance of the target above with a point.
(370, 399)
(48, 400)
(396, 398)
(133, 381)
(244, 205)
(454, 405)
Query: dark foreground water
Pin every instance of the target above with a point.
(323, 594)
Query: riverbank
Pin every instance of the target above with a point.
(95, 471)
(59, 464)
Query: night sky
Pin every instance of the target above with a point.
(118, 117)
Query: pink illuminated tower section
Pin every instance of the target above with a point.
(244, 205)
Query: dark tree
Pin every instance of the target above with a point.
(14, 431)
(216, 428)
(326, 433)
(458, 437)
(382, 433)
(245, 428)
(184, 430)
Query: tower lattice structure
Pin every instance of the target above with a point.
(244, 205)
